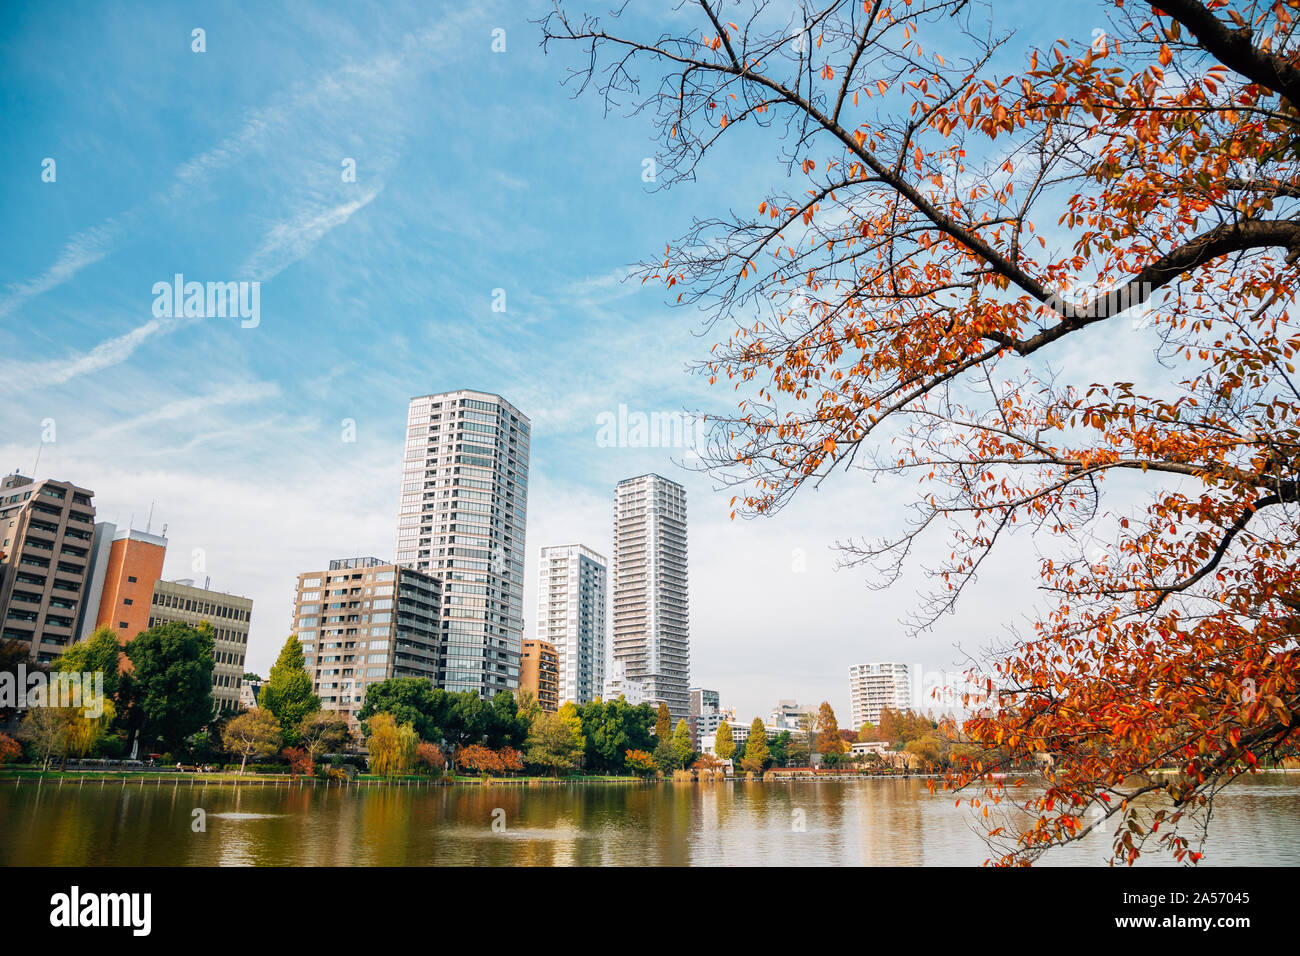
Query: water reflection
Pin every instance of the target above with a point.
(855, 823)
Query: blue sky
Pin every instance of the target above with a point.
(476, 171)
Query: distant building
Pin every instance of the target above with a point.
(620, 685)
(539, 670)
(873, 687)
(229, 614)
(787, 714)
(705, 714)
(47, 532)
(651, 609)
(363, 620)
(248, 691)
(863, 747)
(571, 596)
(134, 566)
(739, 734)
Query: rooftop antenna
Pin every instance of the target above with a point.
(149, 524)
(39, 448)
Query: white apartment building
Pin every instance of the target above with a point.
(787, 714)
(571, 594)
(873, 687)
(463, 510)
(651, 611)
(620, 685)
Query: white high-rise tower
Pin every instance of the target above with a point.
(651, 612)
(571, 592)
(462, 515)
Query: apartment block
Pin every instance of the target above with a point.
(651, 610)
(462, 515)
(362, 621)
(47, 531)
(134, 566)
(539, 671)
(572, 590)
(618, 684)
(183, 602)
(873, 687)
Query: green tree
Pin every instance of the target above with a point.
(504, 725)
(553, 743)
(867, 732)
(724, 744)
(169, 689)
(411, 700)
(780, 748)
(666, 758)
(100, 653)
(613, 728)
(253, 734)
(663, 722)
(682, 743)
(757, 754)
(287, 692)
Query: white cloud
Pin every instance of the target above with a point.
(289, 241)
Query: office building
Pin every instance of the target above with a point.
(134, 566)
(571, 596)
(873, 687)
(47, 531)
(651, 611)
(96, 570)
(183, 602)
(539, 672)
(462, 514)
(362, 621)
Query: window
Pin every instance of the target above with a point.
(131, 579)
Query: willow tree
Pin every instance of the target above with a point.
(962, 214)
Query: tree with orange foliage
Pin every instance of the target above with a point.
(910, 310)
(829, 740)
(477, 757)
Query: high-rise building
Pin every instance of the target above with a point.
(135, 564)
(539, 671)
(47, 531)
(651, 612)
(229, 614)
(362, 621)
(571, 594)
(463, 509)
(873, 687)
(96, 571)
